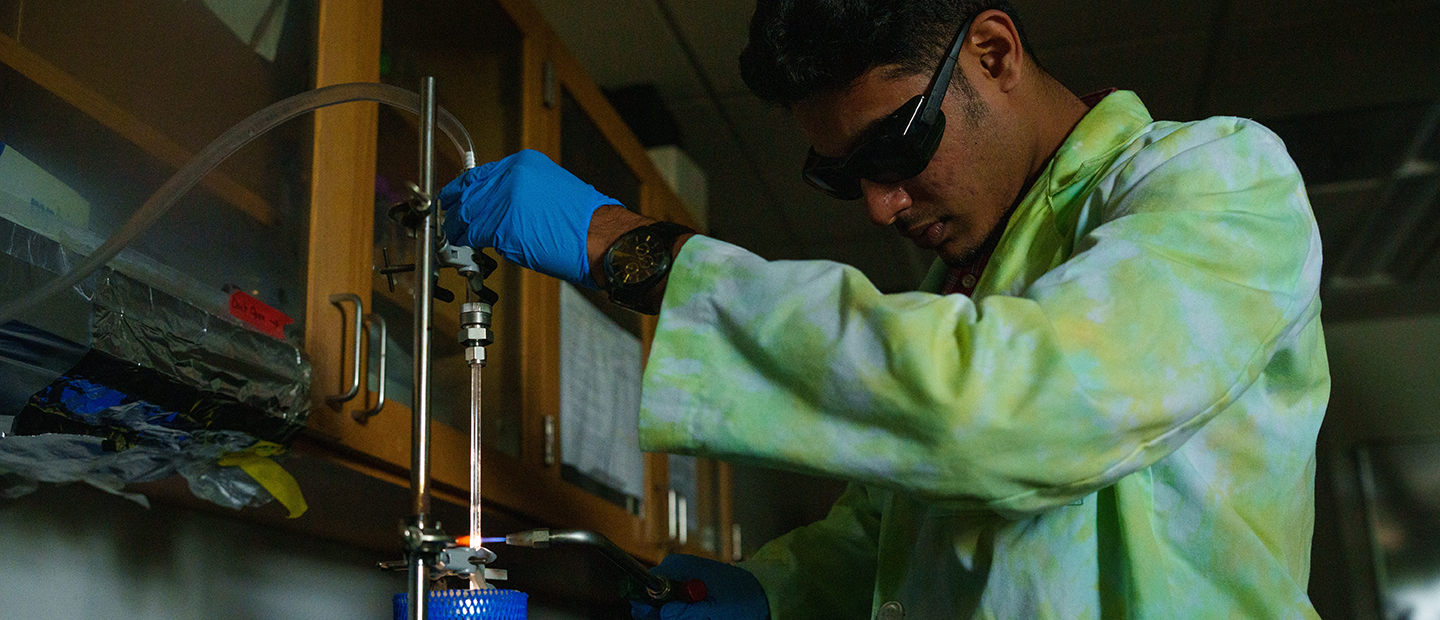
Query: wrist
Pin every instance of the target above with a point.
(631, 257)
(607, 224)
(638, 266)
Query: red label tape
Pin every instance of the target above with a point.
(258, 315)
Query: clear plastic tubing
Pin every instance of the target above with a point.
(229, 142)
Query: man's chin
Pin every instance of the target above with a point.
(957, 255)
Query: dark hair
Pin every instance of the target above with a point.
(802, 48)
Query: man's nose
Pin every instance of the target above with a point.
(883, 202)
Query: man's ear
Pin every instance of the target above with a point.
(994, 40)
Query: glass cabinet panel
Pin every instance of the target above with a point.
(473, 50)
(600, 364)
(586, 153)
(600, 343)
(100, 104)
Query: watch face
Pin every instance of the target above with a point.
(636, 258)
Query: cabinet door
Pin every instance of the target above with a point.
(490, 74)
(102, 104)
(601, 345)
(696, 503)
(475, 53)
(597, 147)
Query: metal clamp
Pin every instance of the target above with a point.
(425, 541)
(378, 333)
(458, 562)
(416, 206)
(464, 560)
(337, 300)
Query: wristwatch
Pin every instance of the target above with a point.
(637, 262)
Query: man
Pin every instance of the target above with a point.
(1105, 403)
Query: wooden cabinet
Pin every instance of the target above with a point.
(502, 72)
(113, 102)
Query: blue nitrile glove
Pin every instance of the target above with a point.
(529, 209)
(735, 594)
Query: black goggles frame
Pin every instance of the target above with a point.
(899, 147)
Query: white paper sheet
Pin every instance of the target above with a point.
(599, 396)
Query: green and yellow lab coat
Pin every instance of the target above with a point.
(1119, 423)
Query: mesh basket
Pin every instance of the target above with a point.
(488, 604)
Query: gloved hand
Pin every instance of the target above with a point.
(734, 592)
(529, 209)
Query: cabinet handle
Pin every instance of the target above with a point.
(735, 553)
(338, 300)
(684, 521)
(674, 513)
(551, 87)
(549, 447)
(377, 331)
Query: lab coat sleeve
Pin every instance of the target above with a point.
(1203, 257)
(826, 569)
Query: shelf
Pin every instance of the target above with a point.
(92, 104)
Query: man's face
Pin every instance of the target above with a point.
(968, 186)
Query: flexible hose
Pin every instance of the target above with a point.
(238, 136)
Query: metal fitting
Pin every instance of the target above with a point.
(538, 539)
(474, 335)
(475, 313)
(475, 356)
(475, 331)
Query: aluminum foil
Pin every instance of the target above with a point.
(116, 381)
(137, 323)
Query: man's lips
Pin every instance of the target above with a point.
(927, 236)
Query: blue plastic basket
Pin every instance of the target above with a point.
(488, 604)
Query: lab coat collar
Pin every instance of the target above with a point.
(1111, 125)
(1108, 128)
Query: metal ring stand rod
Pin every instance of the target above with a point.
(424, 291)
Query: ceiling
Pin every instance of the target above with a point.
(1352, 85)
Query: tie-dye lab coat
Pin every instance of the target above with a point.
(1120, 423)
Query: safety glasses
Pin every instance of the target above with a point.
(896, 148)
